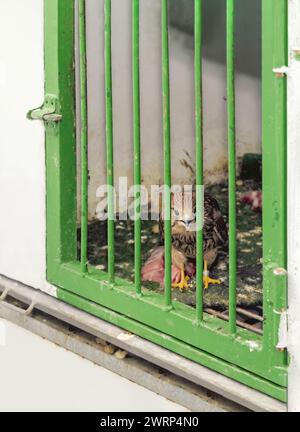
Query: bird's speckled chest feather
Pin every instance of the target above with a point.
(214, 231)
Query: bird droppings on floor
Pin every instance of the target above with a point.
(249, 244)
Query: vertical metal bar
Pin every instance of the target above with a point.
(109, 143)
(167, 151)
(61, 146)
(136, 140)
(84, 137)
(274, 145)
(199, 158)
(231, 162)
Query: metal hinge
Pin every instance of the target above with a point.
(282, 330)
(48, 112)
(281, 72)
(282, 341)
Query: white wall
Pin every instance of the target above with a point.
(71, 383)
(22, 164)
(182, 100)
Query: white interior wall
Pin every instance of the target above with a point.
(22, 163)
(71, 384)
(182, 101)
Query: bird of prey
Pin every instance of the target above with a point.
(183, 223)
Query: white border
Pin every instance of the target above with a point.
(294, 206)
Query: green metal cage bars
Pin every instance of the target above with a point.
(222, 346)
(167, 147)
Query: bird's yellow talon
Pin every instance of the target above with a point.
(183, 284)
(207, 280)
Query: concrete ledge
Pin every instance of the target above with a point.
(225, 391)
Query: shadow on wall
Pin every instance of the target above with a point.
(248, 30)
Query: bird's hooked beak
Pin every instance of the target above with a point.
(188, 223)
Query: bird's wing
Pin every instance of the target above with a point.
(220, 227)
(215, 229)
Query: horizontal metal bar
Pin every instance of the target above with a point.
(250, 314)
(225, 317)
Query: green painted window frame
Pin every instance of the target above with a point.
(248, 358)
